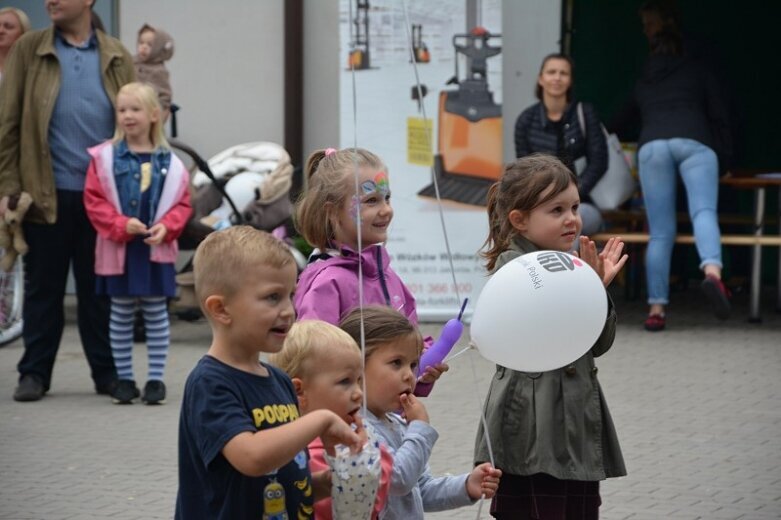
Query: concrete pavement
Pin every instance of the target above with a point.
(697, 409)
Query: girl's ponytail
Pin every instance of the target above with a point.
(312, 163)
(496, 242)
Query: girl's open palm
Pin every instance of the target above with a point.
(606, 264)
(612, 260)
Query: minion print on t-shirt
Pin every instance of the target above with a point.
(288, 490)
(274, 507)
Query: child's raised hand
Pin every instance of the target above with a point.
(337, 431)
(483, 480)
(156, 234)
(612, 260)
(588, 253)
(135, 227)
(606, 264)
(413, 409)
(433, 373)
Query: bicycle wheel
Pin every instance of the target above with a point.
(11, 299)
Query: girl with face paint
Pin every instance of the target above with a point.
(326, 216)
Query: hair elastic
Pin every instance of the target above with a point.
(329, 151)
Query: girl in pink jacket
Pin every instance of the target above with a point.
(137, 198)
(326, 217)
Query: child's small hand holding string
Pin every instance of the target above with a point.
(483, 480)
(135, 227)
(413, 409)
(609, 262)
(433, 373)
(156, 234)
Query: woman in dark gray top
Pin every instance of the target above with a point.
(683, 120)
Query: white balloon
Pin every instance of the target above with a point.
(539, 312)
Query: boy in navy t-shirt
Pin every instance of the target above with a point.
(242, 444)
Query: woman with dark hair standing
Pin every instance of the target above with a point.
(553, 126)
(683, 121)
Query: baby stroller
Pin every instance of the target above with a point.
(246, 184)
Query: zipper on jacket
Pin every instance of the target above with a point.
(381, 269)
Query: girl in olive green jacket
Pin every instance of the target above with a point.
(551, 432)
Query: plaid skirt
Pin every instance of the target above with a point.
(543, 497)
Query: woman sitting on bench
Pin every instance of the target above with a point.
(552, 126)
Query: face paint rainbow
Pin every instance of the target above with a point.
(380, 184)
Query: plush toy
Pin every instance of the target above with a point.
(13, 208)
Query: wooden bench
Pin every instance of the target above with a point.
(633, 237)
(757, 241)
(624, 217)
(630, 225)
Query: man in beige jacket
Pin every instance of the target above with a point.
(56, 100)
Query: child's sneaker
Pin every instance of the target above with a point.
(718, 295)
(154, 392)
(125, 391)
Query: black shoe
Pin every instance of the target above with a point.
(125, 392)
(30, 389)
(106, 388)
(718, 295)
(154, 392)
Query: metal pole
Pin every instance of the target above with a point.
(778, 280)
(756, 264)
(472, 20)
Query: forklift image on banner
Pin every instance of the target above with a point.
(359, 57)
(469, 144)
(419, 49)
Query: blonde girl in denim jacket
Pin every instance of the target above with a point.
(137, 198)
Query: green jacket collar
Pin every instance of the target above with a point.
(523, 245)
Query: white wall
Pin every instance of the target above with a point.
(227, 68)
(321, 74)
(530, 30)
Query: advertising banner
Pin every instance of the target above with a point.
(382, 110)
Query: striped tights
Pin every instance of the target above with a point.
(155, 311)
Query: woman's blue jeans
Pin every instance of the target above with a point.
(660, 161)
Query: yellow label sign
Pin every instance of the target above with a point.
(419, 140)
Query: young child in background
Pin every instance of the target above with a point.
(154, 48)
(325, 217)
(392, 348)
(138, 199)
(242, 444)
(555, 473)
(325, 365)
